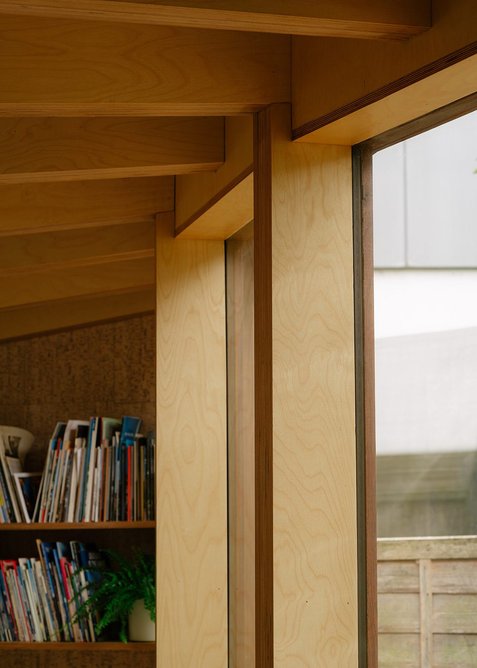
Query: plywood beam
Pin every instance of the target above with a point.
(75, 247)
(227, 214)
(342, 18)
(42, 207)
(364, 79)
(71, 149)
(58, 67)
(64, 279)
(399, 107)
(61, 314)
(215, 205)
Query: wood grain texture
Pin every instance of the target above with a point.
(431, 594)
(69, 149)
(45, 207)
(372, 19)
(355, 74)
(406, 104)
(232, 210)
(398, 577)
(64, 280)
(218, 200)
(101, 244)
(192, 459)
(438, 547)
(399, 614)
(57, 67)
(314, 458)
(399, 650)
(241, 447)
(58, 315)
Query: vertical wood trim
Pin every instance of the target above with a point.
(305, 191)
(191, 547)
(425, 588)
(365, 405)
(263, 392)
(241, 448)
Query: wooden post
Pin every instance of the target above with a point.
(191, 548)
(306, 536)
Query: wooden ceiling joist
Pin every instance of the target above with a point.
(84, 247)
(44, 207)
(66, 280)
(215, 205)
(55, 67)
(61, 314)
(68, 149)
(372, 19)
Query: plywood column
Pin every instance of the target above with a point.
(191, 452)
(305, 415)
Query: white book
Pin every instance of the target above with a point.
(88, 492)
(47, 603)
(9, 482)
(37, 628)
(75, 473)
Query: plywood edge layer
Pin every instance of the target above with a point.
(57, 315)
(225, 214)
(134, 109)
(431, 87)
(298, 20)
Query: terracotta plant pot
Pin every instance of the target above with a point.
(141, 626)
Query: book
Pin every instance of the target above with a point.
(27, 487)
(7, 464)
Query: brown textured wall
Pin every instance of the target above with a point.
(106, 369)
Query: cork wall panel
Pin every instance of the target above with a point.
(106, 369)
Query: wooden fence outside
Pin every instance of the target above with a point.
(427, 602)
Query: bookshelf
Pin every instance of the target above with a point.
(19, 539)
(81, 359)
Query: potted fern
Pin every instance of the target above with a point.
(125, 594)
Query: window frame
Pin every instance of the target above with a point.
(362, 155)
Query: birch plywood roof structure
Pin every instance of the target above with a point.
(112, 112)
(135, 137)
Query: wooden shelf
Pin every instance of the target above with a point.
(80, 646)
(75, 526)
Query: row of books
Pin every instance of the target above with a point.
(40, 597)
(97, 470)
